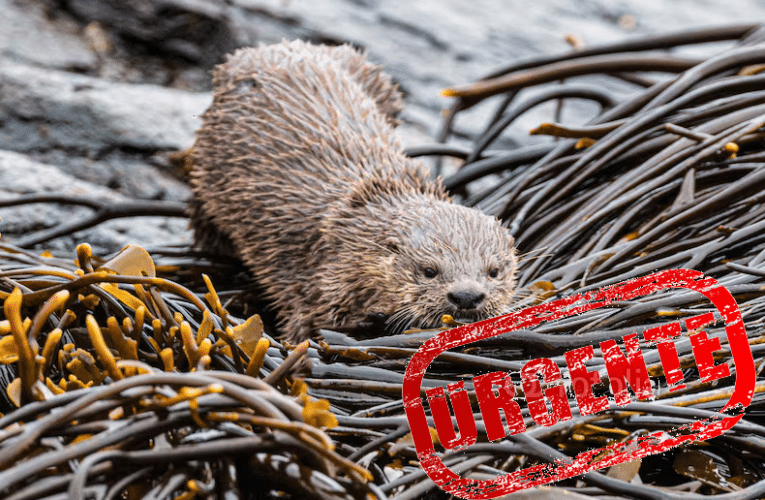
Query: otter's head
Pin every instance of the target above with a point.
(448, 259)
(422, 258)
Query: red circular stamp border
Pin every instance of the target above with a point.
(591, 460)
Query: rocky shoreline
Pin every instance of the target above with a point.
(96, 96)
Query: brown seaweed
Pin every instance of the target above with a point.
(119, 370)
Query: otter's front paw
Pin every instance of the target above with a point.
(373, 324)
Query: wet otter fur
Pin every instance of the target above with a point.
(298, 172)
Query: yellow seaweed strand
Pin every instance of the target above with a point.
(194, 406)
(27, 364)
(190, 346)
(159, 336)
(205, 327)
(151, 310)
(50, 348)
(53, 304)
(256, 361)
(212, 298)
(127, 327)
(203, 364)
(184, 394)
(84, 255)
(168, 359)
(140, 315)
(102, 350)
(126, 347)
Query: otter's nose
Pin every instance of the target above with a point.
(465, 299)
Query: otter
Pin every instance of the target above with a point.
(297, 171)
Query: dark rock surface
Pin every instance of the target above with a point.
(96, 94)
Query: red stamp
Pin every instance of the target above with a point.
(495, 392)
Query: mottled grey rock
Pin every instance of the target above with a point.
(108, 133)
(428, 45)
(28, 35)
(110, 119)
(21, 176)
(132, 174)
(196, 30)
(41, 109)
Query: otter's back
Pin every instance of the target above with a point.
(292, 129)
(294, 119)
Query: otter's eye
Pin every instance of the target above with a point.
(429, 272)
(494, 273)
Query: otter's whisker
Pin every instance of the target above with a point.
(528, 257)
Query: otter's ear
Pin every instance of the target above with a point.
(366, 192)
(510, 239)
(357, 199)
(391, 244)
(246, 84)
(509, 235)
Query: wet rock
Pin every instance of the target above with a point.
(19, 176)
(196, 30)
(105, 132)
(429, 45)
(29, 35)
(42, 109)
(101, 88)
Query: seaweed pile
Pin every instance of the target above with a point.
(153, 390)
(131, 385)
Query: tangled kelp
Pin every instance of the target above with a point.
(669, 174)
(105, 389)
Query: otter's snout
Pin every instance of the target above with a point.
(466, 299)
